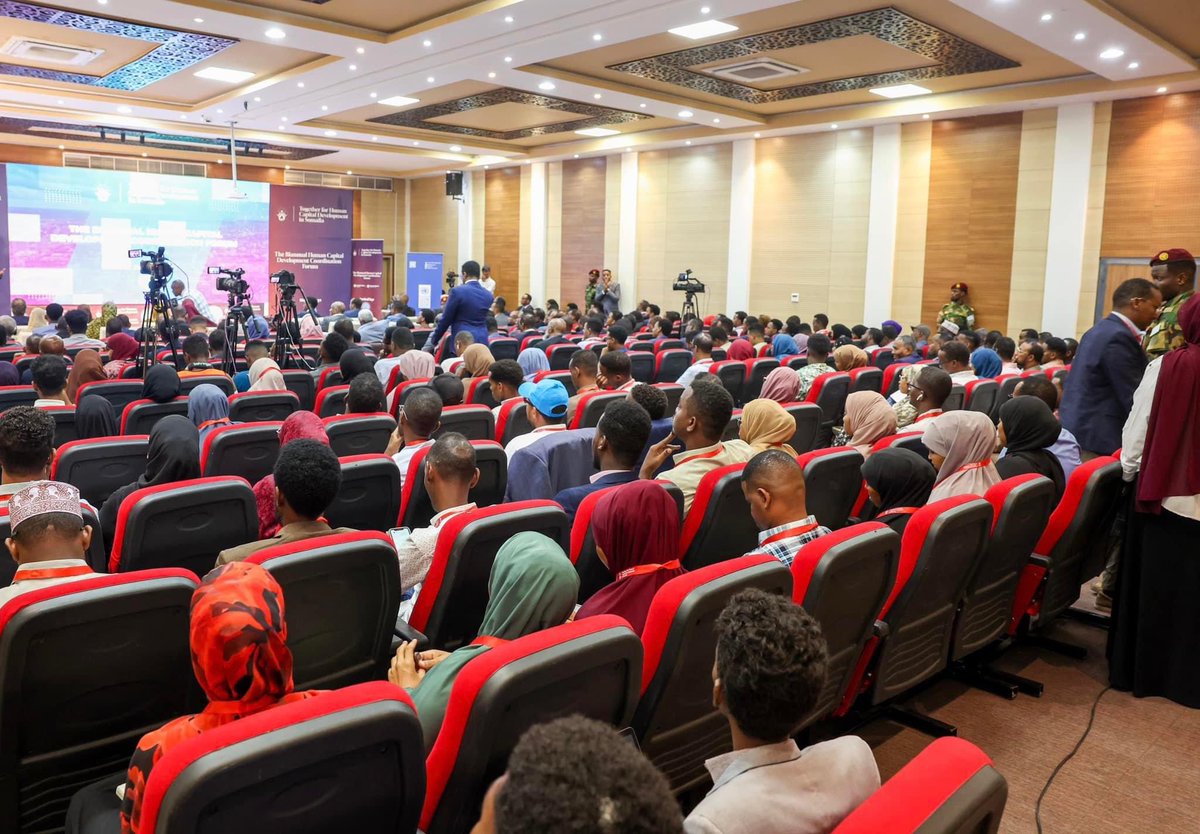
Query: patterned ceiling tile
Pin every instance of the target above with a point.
(954, 56)
(593, 115)
(139, 140)
(176, 50)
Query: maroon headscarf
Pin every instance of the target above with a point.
(1171, 459)
(299, 425)
(739, 349)
(637, 527)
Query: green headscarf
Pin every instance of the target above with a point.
(96, 327)
(532, 586)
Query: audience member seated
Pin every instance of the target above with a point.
(546, 407)
(266, 376)
(1027, 430)
(95, 417)
(216, 348)
(307, 478)
(505, 379)
(584, 368)
(477, 360)
(331, 350)
(699, 424)
(77, 324)
(616, 372)
(898, 484)
(450, 474)
(208, 409)
(769, 672)
(123, 353)
(365, 395)
(1066, 447)
(449, 387)
(960, 445)
(556, 332)
(532, 360)
(819, 348)
(578, 775)
(86, 368)
(849, 357)
(593, 330)
(371, 329)
(420, 418)
(299, 425)
(9, 374)
(620, 437)
(52, 314)
(1054, 353)
(255, 350)
(1028, 356)
(50, 381)
(773, 483)
(413, 363)
(615, 343)
(26, 448)
(757, 336)
(48, 539)
(161, 384)
(636, 530)
(346, 329)
(987, 363)
(353, 363)
(766, 425)
(18, 311)
(653, 400)
(927, 393)
(868, 419)
(781, 385)
(783, 346)
(172, 455)
(196, 355)
(532, 586)
(955, 359)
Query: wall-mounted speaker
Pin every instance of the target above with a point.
(454, 182)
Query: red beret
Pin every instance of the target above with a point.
(959, 286)
(1171, 256)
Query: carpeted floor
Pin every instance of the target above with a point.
(1138, 771)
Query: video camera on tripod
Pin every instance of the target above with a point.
(158, 303)
(287, 347)
(231, 280)
(690, 287)
(155, 265)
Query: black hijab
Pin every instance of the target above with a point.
(95, 417)
(161, 384)
(902, 479)
(353, 363)
(1029, 428)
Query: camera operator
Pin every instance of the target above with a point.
(256, 324)
(177, 296)
(466, 310)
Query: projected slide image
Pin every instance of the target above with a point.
(70, 231)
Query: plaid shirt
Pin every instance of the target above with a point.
(785, 548)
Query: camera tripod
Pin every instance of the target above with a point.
(156, 309)
(689, 305)
(235, 320)
(288, 346)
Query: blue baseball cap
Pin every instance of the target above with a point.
(548, 396)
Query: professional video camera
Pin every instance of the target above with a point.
(285, 282)
(231, 280)
(451, 279)
(155, 265)
(684, 282)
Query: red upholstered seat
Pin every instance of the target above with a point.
(183, 524)
(450, 606)
(393, 379)
(257, 406)
(679, 643)
(328, 377)
(504, 349)
(301, 382)
(528, 341)
(101, 466)
(560, 355)
(669, 344)
(64, 423)
(808, 425)
(891, 378)
(189, 384)
(342, 593)
(139, 416)
(797, 362)
(331, 400)
(641, 365)
(732, 374)
(478, 391)
(512, 420)
(843, 579)
(475, 422)
(949, 788)
(591, 406)
(369, 497)
(829, 391)
(981, 396)
(883, 358)
(359, 434)
(118, 392)
(590, 668)
(903, 440)
(396, 397)
(670, 364)
(86, 669)
(416, 509)
(247, 450)
(838, 487)
(756, 374)
(719, 525)
(354, 754)
(867, 378)
(563, 375)
(674, 394)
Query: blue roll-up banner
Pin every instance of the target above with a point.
(423, 280)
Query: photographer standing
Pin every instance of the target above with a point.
(466, 310)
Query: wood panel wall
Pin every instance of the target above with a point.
(502, 230)
(583, 207)
(972, 211)
(1153, 182)
(433, 220)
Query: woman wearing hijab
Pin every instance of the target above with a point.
(868, 418)
(266, 376)
(781, 385)
(1027, 428)
(161, 384)
(37, 318)
(533, 586)
(173, 455)
(849, 357)
(240, 657)
(739, 349)
(987, 363)
(960, 445)
(86, 368)
(766, 425)
(1153, 646)
(898, 484)
(533, 360)
(783, 347)
(123, 352)
(96, 327)
(353, 363)
(636, 529)
(477, 361)
(95, 417)
(208, 409)
(299, 425)
(9, 375)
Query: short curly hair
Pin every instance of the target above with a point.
(365, 395)
(309, 475)
(26, 439)
(771, 660)
(49, 374)
(654, 400)
(575, 774)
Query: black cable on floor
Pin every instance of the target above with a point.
(1037, 809)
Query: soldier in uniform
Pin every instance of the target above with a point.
(958, 310)
(1173, 271)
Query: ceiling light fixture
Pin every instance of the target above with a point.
(1133, 65)
(1079, 36)
(1112, 53)
(924, 115)
(508, 59)
(275, 33)
(427, 43)
(455, 148)
(686, 114)
(219, 110)
(398, 101)
(124, 109)
(416, 143)
(144, 154)
(349, 173)
(704, 29)
(597, 37)
(62, 147)
(283, 118)
(429, 79)
(576, 155)
(716, 121)
(300, 84)
(323, 107)
(102, 2)
(629, 150)
(508, 19)
(229, 76)
(597, 96)
(491, 75)
(1161, 90)
(642, 105)
(546, 85)
(1047, 17)
(197, 20)
(331, 133)
(705, 10)
(361, 51)
(757, 135)
(256, 98)
(353, 67)
(597, 131)
(833, 126)
(901, 91)
(374, 95)
(688, 142)
(183, 116)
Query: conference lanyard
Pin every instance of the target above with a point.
(52, 573)
(977, 465)
(928, 415)
(720, 448)
(217, 422)
(789, 533)
(898, 511)
(642, 570)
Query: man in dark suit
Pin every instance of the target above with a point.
(1108, 367)
(556, 334)
(467, 310)
(620, 437)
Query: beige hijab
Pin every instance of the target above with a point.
(266, 376)
(849, 357)
(477, 360)
(767, 425)
(868, 419)
(966, 440)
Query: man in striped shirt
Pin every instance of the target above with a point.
(773, 483)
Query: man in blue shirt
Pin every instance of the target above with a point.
(466, 309)
(620, 437)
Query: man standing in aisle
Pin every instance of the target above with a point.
(466, 310)
(959, 311)
(1173, 271)
(608, 294)
(488, 282)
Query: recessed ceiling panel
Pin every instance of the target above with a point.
(506, 117)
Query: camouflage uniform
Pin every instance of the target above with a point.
(807, 374)
(1165, 334)
(589, 295)
(961, 314)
